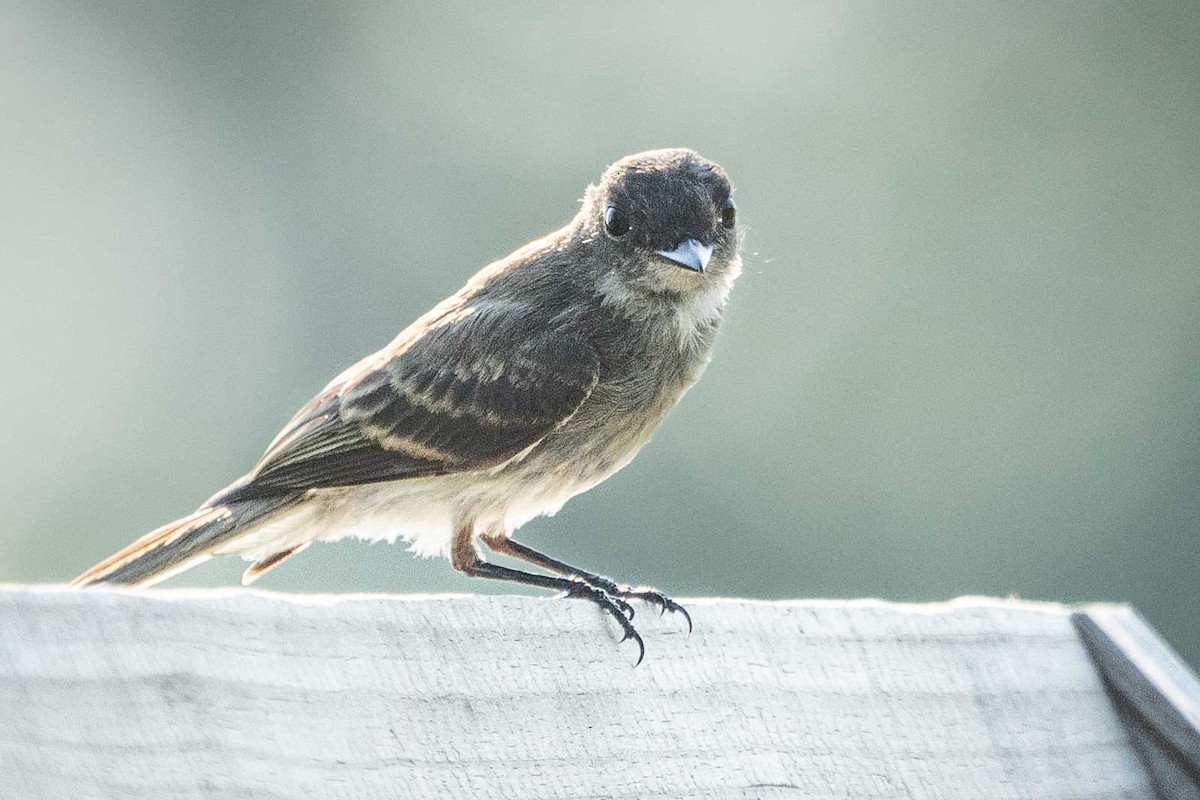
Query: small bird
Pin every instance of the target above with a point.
(541, 377)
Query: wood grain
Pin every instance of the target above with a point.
(171, 694)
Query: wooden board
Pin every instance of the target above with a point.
(1156, 696)
(174, 694)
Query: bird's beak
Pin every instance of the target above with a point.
(689, 253)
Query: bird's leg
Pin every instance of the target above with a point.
(465, 558)
(500, 543)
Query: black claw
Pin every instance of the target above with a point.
(641, 649)
(616, 608)
(631, 633)
(657, 598)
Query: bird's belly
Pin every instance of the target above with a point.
(419, 511)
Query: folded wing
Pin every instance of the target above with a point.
(466, 392)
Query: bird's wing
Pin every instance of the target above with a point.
(462, 392)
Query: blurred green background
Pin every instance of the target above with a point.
(963, 358)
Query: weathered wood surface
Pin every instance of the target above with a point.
(1156, 696)
(237, 694)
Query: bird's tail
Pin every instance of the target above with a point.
(181, 544)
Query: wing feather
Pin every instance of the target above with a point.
(463, 395)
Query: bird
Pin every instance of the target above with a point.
(542, 376)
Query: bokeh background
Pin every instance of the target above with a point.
(963, 358)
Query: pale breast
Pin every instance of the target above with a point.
(641, 380)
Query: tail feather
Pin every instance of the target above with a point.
(179, 545)
(265, 565)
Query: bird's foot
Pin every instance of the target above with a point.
(654, 598)
(616, 607)
(622, 594)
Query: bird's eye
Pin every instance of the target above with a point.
(616, 223)
(729, 213)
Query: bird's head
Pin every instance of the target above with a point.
(665, 223)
